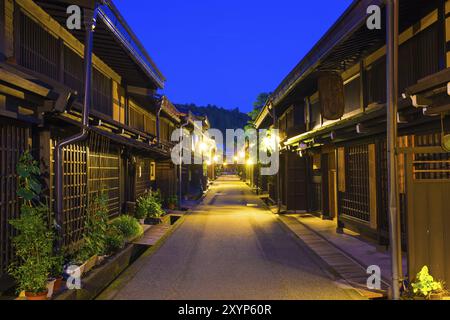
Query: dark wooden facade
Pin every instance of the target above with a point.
(346, 159)
(128, 148)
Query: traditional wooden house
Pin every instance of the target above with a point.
(119, 145)
(331, 113)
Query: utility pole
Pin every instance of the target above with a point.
(392, 45)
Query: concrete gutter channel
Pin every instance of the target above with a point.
(103, 282)
(125, 264)
(351, 273)
(106, 281)
(348, 272)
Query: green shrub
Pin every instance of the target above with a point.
(34, 240)
(96, 225)
(157, 196)
(154, 208)
(142, 207)
(114, 240)
(172, 200)
(425, 285)
(128, 226)
(149, 206)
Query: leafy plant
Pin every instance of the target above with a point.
(154, 209)
(142, 207)
(149, 206)
(172, 200)
(34, 241)
(114, 240)
(28, 172)
(96, 226)
(157, 195)
(128, 226)
(57, 266)
(425, 285)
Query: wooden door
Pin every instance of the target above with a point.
(428, 219)
(296, 183)
(332, 185)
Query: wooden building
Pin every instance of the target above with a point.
(127, 149)
(331, 113)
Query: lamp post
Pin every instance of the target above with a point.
(392, 7)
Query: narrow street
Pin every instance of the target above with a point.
(229, 247)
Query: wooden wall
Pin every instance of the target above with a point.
(143, 176)
(2, 29)
(428, 185)
(14, 140)
(90, 167)
(296, 198)
(166, 178)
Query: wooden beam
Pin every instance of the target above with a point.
(9, 29)
(2, 30)
(13, 79)
(47, 22)
(140, 91)
(373, 187)
(89, 4)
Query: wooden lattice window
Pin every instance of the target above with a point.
(102, 93)
(430, 166)
(355, 201)
(39, 50)
(14, 140)
(73, 71)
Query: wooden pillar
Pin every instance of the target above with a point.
(341, 183)
(8, 44)
(447, 31)
(373, 187)
(44, 145)
(2, 30)
(362, 82)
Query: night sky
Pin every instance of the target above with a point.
(227, 52)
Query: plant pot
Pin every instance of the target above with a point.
(100, 259)
(41, 296)
(142, 221)
(436, 296)
(153, 221)
(50, 288)
(172, 206)
(57, 286)
(89, 264)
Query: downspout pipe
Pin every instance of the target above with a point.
(392, 41)
(158, 124)
(180, 176)
(89, 23)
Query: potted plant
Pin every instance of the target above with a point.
(94, 239)
(56, 275)
(114, 241)
(128, 227)
(172, 202)
(426, 287)
(142, 208)
(154, 211)
(34, 240)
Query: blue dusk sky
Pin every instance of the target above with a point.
(227, 52)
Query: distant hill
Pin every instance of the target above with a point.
(219, 118)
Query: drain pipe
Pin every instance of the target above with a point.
(89, 23)
(158, 124)
(392, 45)
(180, 174)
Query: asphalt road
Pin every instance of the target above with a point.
(230, 247)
